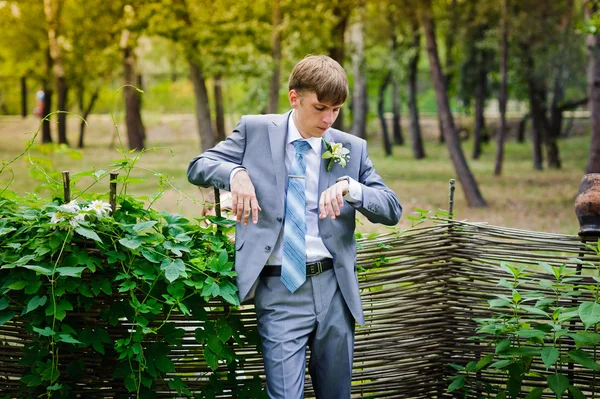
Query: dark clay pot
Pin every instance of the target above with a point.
(587, 205)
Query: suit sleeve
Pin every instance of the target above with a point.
(379, 203)
(213, 167)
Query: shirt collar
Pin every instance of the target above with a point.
(294, 134)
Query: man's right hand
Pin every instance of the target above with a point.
(243, 198)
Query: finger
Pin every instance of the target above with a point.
(322, 212)
(234, 199)
(255, 209)
(328, 206)
(335, 205)
(246, 211)
(240, 208)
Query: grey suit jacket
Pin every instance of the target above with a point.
(258, 144)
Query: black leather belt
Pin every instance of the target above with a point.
(312, 268)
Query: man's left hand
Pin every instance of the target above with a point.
(332, 199)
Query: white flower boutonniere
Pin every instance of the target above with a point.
(335, 152)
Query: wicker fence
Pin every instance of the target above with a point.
(421, 290)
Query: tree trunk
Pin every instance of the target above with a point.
(413, 109)
(24, 97)
(396, 121)
(387, 144)
(449, 67)
(62, 91)
(276, 54)
(593, 45)
(46, 127)
(52, 12)
(503, 97)
(336, 50)
(537, 108)
(470, 187)
(219, 109)
(522, 126)
(207, 138)
(479, 112)
(133, 116)
(86, 113)
(359, 96)
(556, 112)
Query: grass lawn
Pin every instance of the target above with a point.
(522, 198)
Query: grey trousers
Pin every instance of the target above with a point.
(315, 315)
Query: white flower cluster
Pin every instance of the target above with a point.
(75, 214)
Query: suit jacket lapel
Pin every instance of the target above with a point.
(277, 135)
(324, 175)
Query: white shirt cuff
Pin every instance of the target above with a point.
(233, 172)
(354, 193)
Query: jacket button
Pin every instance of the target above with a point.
(279, 219)
(268, 248)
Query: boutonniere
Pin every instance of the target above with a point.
(336, 153)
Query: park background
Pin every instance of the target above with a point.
(422, 67)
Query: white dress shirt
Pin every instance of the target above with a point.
(315, 249)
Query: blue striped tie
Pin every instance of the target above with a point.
(293, 264)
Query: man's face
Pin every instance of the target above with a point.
(311, 117)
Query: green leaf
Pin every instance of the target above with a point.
(19, 285)
(589, 312)
(501, 364)
(173, 269)
(164, 364)
(211, 359)
(88, 233)
(131, 243)
(530, 333)
(68, 339)
(70, 271)
(576, 392)
(215, 344)
(5, 316)
(6, 230)
(550, 356)
(484, 361)
(3, 303)
(585, 338)
(534, 310)
(176, 248)
(144, 226)
(35, 302)
(499, 303)
(503, 345)
(558, 383)
(535, 393)
(584, 359)
(458, 383)
(152, 256)
(61, 309)
(46, 332)
(39, 269)
(228, 291)
(224, 331)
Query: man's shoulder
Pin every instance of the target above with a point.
(254, 121)
(343, 137)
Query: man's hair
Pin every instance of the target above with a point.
(323, 76)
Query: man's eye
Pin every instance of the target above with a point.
(319, 109)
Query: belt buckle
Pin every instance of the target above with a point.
(314, 268)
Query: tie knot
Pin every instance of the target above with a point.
(301, 146)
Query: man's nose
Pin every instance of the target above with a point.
(329, 117)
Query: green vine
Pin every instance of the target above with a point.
(89, 282)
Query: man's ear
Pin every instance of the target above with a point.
(294, 98)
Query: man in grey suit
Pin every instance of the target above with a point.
(298, 256)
